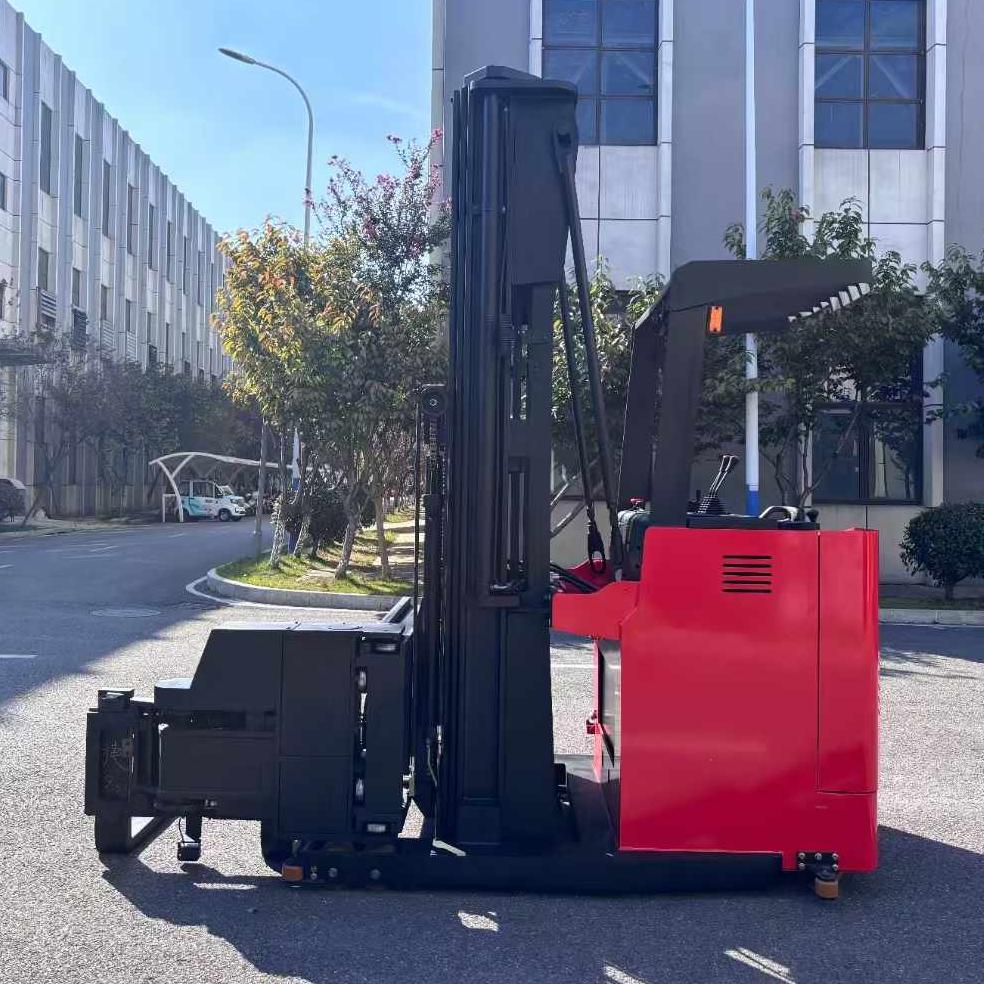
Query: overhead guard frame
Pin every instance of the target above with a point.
(667, 367)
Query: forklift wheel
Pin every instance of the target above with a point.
(112, 834)
(826, 888)
(275, 852)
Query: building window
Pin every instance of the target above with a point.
(185, 266)
(151, 356)
(167, 342)
(46, 135)
(169, 259)
(76, 287)
(3, 192)
(150, 326)
(187, 367)
(151, 231)
(103, 302)
(131, 219)
(607, 48)
(4, 81)
(3, 299)
(79, 176)
(200, 286)
(128, 316)
(106, 192)
(880, 460)
(44, 263)
(74, 450)
(871, 74)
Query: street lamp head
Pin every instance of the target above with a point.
(238, 55)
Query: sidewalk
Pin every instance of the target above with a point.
(47, 527)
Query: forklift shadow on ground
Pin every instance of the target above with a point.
(913, 920)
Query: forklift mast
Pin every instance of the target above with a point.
(496, 763)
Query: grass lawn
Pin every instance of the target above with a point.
(307, 574)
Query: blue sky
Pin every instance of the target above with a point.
(232, 136)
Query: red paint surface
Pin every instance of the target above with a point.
(748, 721)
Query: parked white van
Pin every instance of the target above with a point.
(201, 498)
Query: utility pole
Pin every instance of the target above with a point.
(752, 506)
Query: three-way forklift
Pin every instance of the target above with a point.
(735, 723)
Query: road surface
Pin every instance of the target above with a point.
(65, 916)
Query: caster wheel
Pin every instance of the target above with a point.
(189, 852)
(826, 888)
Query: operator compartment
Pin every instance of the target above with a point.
(737, 693)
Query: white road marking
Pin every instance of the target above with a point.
(103, 549)
(18, 656)
(3, 567)
(174, 536)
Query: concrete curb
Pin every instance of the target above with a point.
(930, 616)
(301, 599)
(380, 603)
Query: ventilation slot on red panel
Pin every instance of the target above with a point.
(746, 574)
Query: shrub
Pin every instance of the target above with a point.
(11, 501)
(947, 543)
(328, 520)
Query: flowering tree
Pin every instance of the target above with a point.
(335, 336)
(392, 231)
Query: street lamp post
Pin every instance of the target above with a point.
(249, 60)
(751, 253)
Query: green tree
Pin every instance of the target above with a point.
(395, 226)
(273, 314)
(60, 403)
(842, 358)
(957, 287)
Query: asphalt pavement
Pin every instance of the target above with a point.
(101, 609)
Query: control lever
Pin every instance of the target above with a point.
(710, 504)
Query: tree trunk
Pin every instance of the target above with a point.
(279, 531)
(304, 535)
(382, 548)
(348, 541)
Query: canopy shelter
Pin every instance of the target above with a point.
(204, 464)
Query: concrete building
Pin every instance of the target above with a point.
(95, 240)
(872, 99)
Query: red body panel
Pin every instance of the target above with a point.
(745, 717)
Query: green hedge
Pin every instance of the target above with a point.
(947, 543)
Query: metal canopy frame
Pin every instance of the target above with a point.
(184, 458)
(765, 296)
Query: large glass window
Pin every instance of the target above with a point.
(871, 73)
(78, 176)
(878, 460)
(607, 48)
(107, 188)
(45, 155)
(131, 219)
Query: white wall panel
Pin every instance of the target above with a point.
(588, 181)
(910, 241)
(898, 186)
(629, 183)
(839, 174)
(630, 246)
